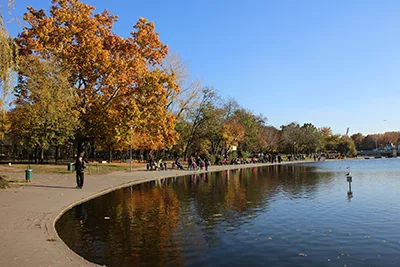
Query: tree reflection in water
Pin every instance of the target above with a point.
(154, 223)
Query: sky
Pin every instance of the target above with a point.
(332, 63)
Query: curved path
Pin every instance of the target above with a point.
(28, 213)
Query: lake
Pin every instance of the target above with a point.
(287, 215)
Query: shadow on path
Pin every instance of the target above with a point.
(51, 186)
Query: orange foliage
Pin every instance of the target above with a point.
(118, 80)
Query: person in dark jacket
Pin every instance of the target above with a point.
(80, 166)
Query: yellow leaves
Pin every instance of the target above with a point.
(109, 73)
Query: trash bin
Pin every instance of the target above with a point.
(28, 175)
(71, 167)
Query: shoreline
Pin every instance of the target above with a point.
(30, 212)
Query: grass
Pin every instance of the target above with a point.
(36, 168)
(92, 168)
(104, 168)
(6, 182)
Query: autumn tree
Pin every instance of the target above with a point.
(388, 137)
(4, 123)
(118, 80)
(272, 138)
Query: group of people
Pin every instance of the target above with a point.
(198, 163)
(153, 165)
(296, 157)
(268, 159)
(193, 164)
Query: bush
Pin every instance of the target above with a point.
(3, 183)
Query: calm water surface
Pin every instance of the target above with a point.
(292, 215)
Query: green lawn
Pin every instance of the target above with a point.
(92, 168)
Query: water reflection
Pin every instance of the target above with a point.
(257, 214)
(349, 179)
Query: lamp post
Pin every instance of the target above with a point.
(294, 152)
(130, 162)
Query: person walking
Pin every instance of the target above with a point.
(80, 166)
(207, 163)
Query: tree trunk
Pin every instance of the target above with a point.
(41, 159)
(36, 154)
(56, 155)
(79, 148)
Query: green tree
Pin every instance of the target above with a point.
(330, 140)
(7, 55)
(346, 146)
(7, 67)
(290, 134)
(370, 142)
(357, 139)
(44, 114)
(190, 127)
(310, 138)
(250, 140)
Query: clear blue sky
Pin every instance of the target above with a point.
(332, 63)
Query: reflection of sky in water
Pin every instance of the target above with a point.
(257, 216)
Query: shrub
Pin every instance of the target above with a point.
(3, 183)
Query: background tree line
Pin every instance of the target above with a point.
(375, 141)
(81, 87)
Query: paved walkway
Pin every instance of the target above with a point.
(28, 213)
